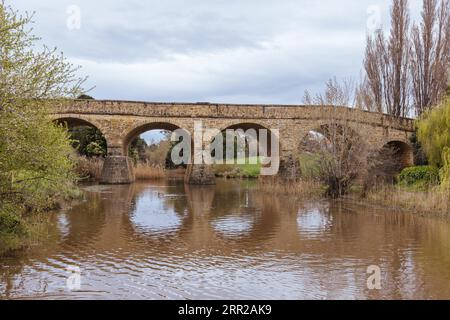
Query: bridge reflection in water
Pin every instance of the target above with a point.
(170, 240)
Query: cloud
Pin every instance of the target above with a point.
(219, 51)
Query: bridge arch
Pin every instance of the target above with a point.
(121, 121)
(76, 122)
(73, 122)
(332, 147)
(148, 126)
(401, 152)
(338, 133)
(339, 128)
(255, 126)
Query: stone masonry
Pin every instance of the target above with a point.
(122, 121)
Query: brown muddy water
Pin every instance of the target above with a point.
(165, 240)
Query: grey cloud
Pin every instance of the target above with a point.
(256, 51)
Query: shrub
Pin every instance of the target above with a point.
(35, 167)
(88, 141)
(434, 132)
(422, 176)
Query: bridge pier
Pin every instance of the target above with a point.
(117, 170)
(122, 121)
(199, 174)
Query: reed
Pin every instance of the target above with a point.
(435, 201)
(302, 188)
(149, 172)
(89, 169)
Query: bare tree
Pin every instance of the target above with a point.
(430, 54)
(337, 93)
(338, 147)
(364, 97)
(387, 64)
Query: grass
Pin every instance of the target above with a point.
(250, 170)
(434, 201)
(149, 172)
(309, 165)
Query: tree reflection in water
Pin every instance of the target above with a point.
(168, 240)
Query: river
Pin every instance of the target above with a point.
(165, 240)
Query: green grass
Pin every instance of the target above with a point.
(309, 165)
(247, 170)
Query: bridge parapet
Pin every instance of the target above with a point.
(122, 121)
(230, 111)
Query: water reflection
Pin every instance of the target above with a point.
(314, 221)
(233, 225)
(152, 214)
(165, 240)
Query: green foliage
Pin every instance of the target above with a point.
(250, 170)
(136, 151)
(419, 177)
(93, 149)
(434, 132)
(85, 97)
(89, 141)
(35, 154)
(434, 135)
(309, 165)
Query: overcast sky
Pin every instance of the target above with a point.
(246, 51)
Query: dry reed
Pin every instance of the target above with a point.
(434, 202)
(302, 188)
(149, 172)
(89, 169)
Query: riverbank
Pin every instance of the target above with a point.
(23, 227)
(432, 202)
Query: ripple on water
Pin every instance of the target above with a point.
(159, 241)
(314, 222)
(233, 225)
(154, 216)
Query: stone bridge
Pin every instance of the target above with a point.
(123, 121)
